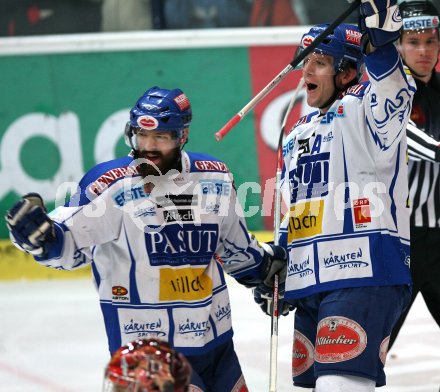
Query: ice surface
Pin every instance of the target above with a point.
(52, 340)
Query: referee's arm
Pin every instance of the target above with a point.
(420, 145)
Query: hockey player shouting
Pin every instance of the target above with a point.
(345, 181)
(159, 228)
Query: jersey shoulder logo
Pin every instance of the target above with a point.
(357, 90)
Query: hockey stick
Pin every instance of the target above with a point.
(277, 223)
(275, 81)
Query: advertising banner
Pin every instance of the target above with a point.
(60, 114)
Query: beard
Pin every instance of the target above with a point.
(162, 163)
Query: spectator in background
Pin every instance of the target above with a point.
(126, 15)
(313, 12)
(191, 14)
(36, 17)
(273, 13)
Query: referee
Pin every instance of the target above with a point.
(419, 47)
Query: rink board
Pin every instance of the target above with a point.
(16, 265)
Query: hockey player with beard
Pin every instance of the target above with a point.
(346, 186)
(159, 228)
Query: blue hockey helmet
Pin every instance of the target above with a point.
(159, 109)
(343, 44)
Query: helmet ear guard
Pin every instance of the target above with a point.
(130, 137)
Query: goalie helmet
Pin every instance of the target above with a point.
(343, 44)
(161, 110)
(147, 365)
(419, 15)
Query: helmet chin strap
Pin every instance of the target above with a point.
(183, 138)
(333, 97)
(178, 162)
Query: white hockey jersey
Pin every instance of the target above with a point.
(158, 256)
(345, 178)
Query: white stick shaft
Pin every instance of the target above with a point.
(277, 224)
(243, 112)
(266, 90)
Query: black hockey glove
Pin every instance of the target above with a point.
(30, 229)
(275, 263)
(380, 22)
(263, 296)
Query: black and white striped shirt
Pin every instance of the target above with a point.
(424, 152)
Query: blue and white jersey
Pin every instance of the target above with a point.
(345, 181)
(159, 253)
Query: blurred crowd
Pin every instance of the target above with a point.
(33, 17)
